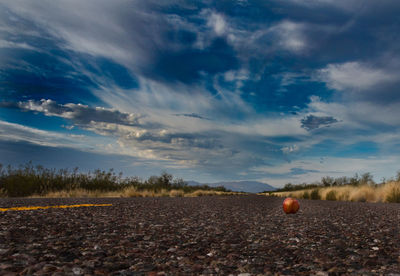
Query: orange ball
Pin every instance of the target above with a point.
(290, 205)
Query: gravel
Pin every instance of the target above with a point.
(216, 235)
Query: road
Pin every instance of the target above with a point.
(204, 235)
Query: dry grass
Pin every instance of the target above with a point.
(3, 193)
(210, 193)
(78, 193)
(388, 192)
(131, 192)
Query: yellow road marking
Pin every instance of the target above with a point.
(24, 208)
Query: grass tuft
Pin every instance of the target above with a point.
(306, 195)
(331, 195)
(315, 194)
(394, 194)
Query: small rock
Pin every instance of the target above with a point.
(294, 239)
(77, 270)
(28, 270)
(49, 268)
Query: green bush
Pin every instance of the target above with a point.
(306, 195)
(331, 195)
(315, 194)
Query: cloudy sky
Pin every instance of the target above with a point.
(276, 91)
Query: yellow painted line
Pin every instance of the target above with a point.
(25, 208)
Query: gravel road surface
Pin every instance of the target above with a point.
(216, 235)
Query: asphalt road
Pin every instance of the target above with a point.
(204, 235)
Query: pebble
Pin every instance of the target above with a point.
(77, 271)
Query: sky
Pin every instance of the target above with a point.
(275, 91)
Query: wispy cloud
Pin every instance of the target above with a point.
(291, 36)
(192, 115)
(17, 132)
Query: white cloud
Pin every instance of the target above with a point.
(291, 35)
(182, 140)
(354, 75)
(290, 149)
(218, 23)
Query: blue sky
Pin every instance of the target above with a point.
(275, 91)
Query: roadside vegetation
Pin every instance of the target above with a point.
(358, 188)
(36, 181)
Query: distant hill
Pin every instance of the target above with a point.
(239, 186)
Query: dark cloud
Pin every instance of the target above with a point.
(9, 105)
(192, 115)
(313, 122)
(160, 141)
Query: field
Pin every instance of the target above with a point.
(132, 192)
(388, 192)
(198, 235)
(36, 181)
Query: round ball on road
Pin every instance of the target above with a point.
(290, 205)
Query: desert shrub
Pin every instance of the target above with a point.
(28, 180)
(306, 195)
(394, 195)
(343, 196)
(3, 193)
(315, 194)
(331, 195)
(176, 193)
